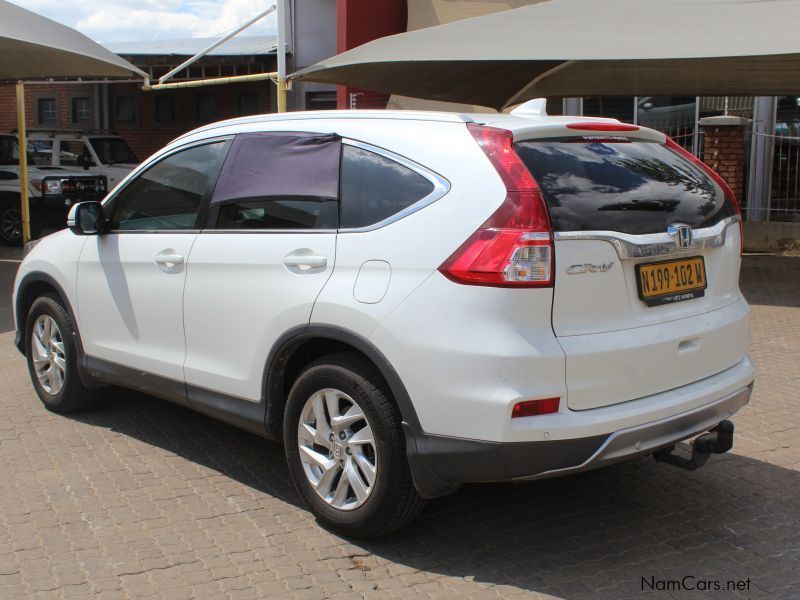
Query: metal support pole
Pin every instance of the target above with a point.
(761, 154)
(281, 92)
(573, 107)
(206, 82)
(23, 164)
(696, 136)
(217, 43)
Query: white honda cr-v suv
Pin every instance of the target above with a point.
(408, 301)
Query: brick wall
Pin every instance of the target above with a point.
(725, 150)
(145, 135)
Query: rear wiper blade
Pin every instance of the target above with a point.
(645, 205)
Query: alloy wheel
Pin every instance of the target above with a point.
(11, 224)
(337, 449)
(49, 358)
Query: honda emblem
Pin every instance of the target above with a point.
(682, 234)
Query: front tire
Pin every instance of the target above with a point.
(10, 222)
(346, 449)
(52, 357)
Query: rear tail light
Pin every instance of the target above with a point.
(532, 408)
(678, 149)
(514, 247)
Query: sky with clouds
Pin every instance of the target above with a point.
(135, 20)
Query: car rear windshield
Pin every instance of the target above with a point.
(621, 185)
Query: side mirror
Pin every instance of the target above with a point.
(647, 105)
(87, 218)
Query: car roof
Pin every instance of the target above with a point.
(523, 126)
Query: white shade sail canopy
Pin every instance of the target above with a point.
(582, 48)
(34, 47)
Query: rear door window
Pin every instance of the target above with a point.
(279, 180)
(375, 187)
(621, 185)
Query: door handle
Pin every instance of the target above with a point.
(309, 261)
(169, 260)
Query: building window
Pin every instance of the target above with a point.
(248, 104)
(125, 109)
(81, 109)
(320, 100)
(165, 108)
(206, 107)
(47, 111)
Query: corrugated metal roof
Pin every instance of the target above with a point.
(237, 46)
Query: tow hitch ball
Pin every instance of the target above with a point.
(717, 441)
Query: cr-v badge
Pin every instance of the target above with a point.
(589, 268)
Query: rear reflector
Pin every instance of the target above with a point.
(532, 408)
(513, 248)
(599, 126)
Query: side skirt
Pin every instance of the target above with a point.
(241, 413)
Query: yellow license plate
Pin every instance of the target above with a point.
(672, 280)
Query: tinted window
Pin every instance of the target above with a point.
(40, 152)
(9, 151)
(631, 187)
(111, 151)
(278, 213)
(279, 180)
(375, 187)
(168, 194)
(74, 153)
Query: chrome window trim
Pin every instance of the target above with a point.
(650, 245)
(273, 231)
(441, 186)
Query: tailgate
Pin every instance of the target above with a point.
(647, 252)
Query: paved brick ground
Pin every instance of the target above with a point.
(145, 499)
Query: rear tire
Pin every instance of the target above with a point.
(357, 482)
(52, 356)
(10, 222)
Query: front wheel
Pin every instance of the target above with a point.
(346, 449)
(52, 355)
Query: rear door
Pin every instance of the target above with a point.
(635, 312)
(257, 268)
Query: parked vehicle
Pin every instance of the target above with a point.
(99, 153)
(51, 193)
(408, 300)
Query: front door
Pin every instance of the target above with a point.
(131, 280)
(257, 269)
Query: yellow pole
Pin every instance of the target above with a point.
(281, 95)
(23, 164)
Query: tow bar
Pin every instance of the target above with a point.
(717, 441)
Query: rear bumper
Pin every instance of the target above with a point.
(441, 464)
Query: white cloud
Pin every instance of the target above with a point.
(119, 21)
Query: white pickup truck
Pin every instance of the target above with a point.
(99, 153)
(52, 190)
